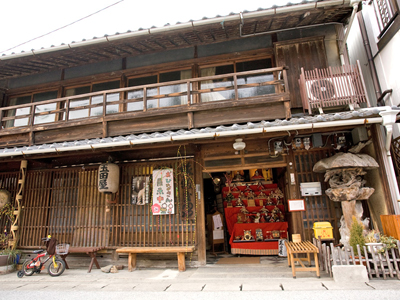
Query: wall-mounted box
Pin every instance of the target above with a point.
(359, 134)
(310, 189)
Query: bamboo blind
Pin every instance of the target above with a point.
(318, 208)
(66, 204)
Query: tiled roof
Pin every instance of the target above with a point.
(368, 115)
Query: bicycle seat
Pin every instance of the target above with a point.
(38, 251)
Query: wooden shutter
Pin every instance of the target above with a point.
(296, 54)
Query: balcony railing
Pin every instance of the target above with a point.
(334, 87)
(137, 101)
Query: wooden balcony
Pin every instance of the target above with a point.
(184, 104)
(334, 88)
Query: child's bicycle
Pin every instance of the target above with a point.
(37, 264)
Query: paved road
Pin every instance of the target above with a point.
(210, 282)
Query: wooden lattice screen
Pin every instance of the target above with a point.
(66, 204)
(9, 182)
(396, 154)
(318, 208)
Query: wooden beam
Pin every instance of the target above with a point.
(296, 219)
(201, 219)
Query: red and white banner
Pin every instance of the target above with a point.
(163, 192)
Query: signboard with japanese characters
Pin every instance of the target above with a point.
(163, 192)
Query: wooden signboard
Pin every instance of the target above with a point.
(218, 232)
(296, 205)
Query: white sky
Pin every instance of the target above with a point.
(23, 20)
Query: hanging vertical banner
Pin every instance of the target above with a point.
(163, 192)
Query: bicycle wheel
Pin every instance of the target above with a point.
(27, 272)
(56, 271)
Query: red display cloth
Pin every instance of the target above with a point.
(231, 214)
(238, 229)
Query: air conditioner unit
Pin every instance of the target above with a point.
(331, 88)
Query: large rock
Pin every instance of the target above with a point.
(345, 160)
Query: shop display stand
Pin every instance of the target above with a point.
(269, 245)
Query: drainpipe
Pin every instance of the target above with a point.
(354, 3)
(388, 120)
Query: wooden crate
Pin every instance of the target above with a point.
(391, 225)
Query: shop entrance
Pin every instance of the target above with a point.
(251, 206)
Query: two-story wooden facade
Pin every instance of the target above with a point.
(178, 97)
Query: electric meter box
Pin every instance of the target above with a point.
(310, 189)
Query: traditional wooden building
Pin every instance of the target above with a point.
(177, 98)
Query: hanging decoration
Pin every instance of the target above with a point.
(5, 197)
(140, 190)
(108, 179)
(163, 192)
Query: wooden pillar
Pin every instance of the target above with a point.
(296, 218)
(18, 199)
(201, 220)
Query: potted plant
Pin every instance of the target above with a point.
(373, 241)
(357, 236)
(12, 256)
(388, 243)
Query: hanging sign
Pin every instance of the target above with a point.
(163, 192)
(296, 205)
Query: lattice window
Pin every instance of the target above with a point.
(318, 208)
(66, 204)
(385, 10)
(396, 154)
(9, 182)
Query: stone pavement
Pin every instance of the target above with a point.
(270, 279)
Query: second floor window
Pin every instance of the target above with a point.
(78, 106)
(22, 115)
(225, 86)
(162, 96)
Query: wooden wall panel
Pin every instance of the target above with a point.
(306, 53)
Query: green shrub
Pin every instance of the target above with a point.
(356, 236)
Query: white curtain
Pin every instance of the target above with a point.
(185, 74)
(209, 84)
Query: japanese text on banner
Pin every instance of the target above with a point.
(163, 192)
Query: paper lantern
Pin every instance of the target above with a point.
(108, 179)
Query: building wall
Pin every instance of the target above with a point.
(386, 60)
(356, 51)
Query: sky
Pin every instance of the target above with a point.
(24, 20)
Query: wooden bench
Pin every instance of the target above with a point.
(293, 249)
(132, 251)
(91, 251)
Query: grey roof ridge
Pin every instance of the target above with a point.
(356, 117)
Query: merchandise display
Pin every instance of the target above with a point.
(254, 215)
